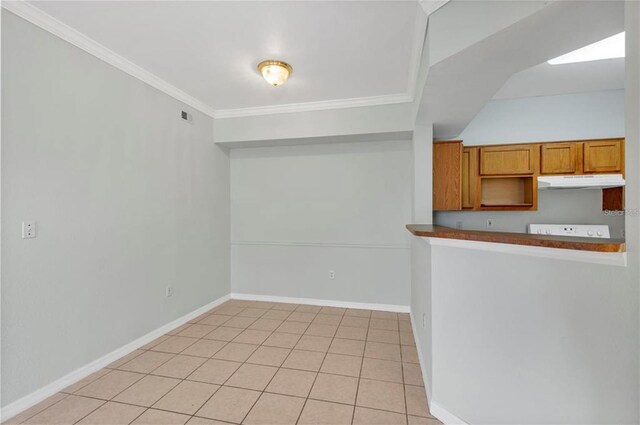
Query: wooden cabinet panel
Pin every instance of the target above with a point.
(603, 156)
(469, 177)
(558, 158)
(507, 160)
(447, 175)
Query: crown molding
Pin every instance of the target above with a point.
(430, 6)
(61, 30)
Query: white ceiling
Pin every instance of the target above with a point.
(339, 50)
(549, 80)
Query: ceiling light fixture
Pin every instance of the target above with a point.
(275, 72)
(609, 48)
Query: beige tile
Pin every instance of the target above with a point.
(275, 409)
(110, 385)
(67, 411)
(269, 356)
(252, 376)
(321, 330)
(292, 382)
(342, 365)
(364, 416)
(34, 410)
(160, 417)
(293, 327)
(179, 367)
(314, 343)
(174, 344)
(252, 312)
(406, 338)
(112, 413)
(235, 352)
(147, 391)
(354, 312)
(204, 348)
(154, 342)
(347, 346)
(333, 310)
(214, 371)
(405, 326)
(228, 310)
(199, 318)
(276, 314)
(327, 319)
(355, 322)
(240, 322)
(187, 397)
(128, 357)
(229, 404)
(324, 413)
(266, 324)
(381, 395)
(348, 332)
(146, 362)
(215, 320)
(388, 315)
(340, 389)
(304, 360)
(409, 354)
(85, 381)
(380, 350)
(251, 336)
(308, 308)
(298, 316)
(284, 307)
(223, 333)
(416, 401)
(412, 374)
(176, 331)
(388, 325)
(282, 340)
(416, 420)
(380, 335)
(382, 370)
(197, 331)
(204, 421)
(404, 317)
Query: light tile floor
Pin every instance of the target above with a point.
(249, 362)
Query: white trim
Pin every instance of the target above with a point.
(47, 22)
(322, 244)
(321, 105)
(324, 303)
(420, 358)
(50, 389)
(430, 6)
(606, 258)
(444, 415)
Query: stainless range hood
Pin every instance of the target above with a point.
(590, 181)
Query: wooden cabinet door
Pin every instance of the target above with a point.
(559, 158)
(507, 160)
(603, 156)
(469, 177)
(447, 176)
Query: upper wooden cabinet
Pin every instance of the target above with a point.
(604, 156)
(559, 158)
(469, 177)
(447, 175)
(507, 160)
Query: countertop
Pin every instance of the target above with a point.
(563, 242)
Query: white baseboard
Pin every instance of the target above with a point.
(445, 416)
(328, 303)
(48, 390)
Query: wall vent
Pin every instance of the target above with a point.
(187, 116)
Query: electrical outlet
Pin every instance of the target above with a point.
(169, 291)
(490, 223)
(28, 229)
(332, 274)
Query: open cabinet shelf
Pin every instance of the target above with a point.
(507, 192)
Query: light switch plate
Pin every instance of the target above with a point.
(28, 229)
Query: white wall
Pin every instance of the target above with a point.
(300, 211)
(128, 199)
(546, 118)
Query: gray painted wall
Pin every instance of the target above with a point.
(128, 199)
(546, 118)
